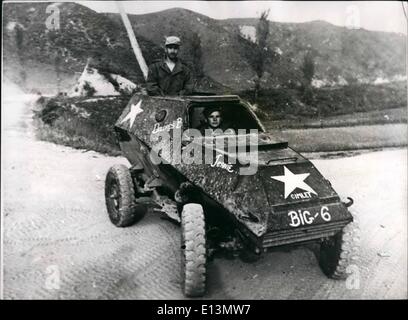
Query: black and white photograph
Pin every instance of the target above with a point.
(204, 150)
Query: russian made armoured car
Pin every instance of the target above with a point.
(236, 201)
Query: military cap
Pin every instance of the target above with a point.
(172, 40)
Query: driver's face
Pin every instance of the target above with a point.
(214, 119)
(172, 51)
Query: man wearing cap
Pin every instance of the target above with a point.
(169, 76)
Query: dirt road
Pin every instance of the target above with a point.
(58, 242)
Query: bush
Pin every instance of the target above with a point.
(59, 123)
(90, 91)
(287, 103)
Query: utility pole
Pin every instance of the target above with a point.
(133, 40)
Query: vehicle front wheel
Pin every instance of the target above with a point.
(193, 250)
(120, 197)
(340, 251)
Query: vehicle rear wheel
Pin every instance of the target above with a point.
(193, 250)
(340, 251)
(120, 197)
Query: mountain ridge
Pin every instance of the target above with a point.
(341, 55)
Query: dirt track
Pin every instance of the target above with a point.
(59, 243)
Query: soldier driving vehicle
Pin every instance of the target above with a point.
(214, 122)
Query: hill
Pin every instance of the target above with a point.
(355, 55)
(36, 57)
(39, 58)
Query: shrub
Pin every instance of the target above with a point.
(90, 91)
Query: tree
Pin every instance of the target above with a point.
(261, 49)
(55, 50)
(308, 69)
(20, 52)
(57, 67)
(19, 37)
(196, 54)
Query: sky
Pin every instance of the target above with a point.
(371, 15)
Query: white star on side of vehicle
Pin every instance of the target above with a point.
(134, 111)
(293, 181)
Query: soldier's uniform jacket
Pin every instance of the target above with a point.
(162, 81)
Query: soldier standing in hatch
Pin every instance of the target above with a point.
(169, 76)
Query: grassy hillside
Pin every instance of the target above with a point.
(80, 123)
(227, 57)
(339, 53)
(221, 57)
(351, 54)
(88, 123)
(84, 34)
(283, 103)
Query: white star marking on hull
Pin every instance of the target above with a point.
(134, 111)
(293, 181)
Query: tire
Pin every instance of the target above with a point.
(340, 252)
(120, 197)
(193, 250)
